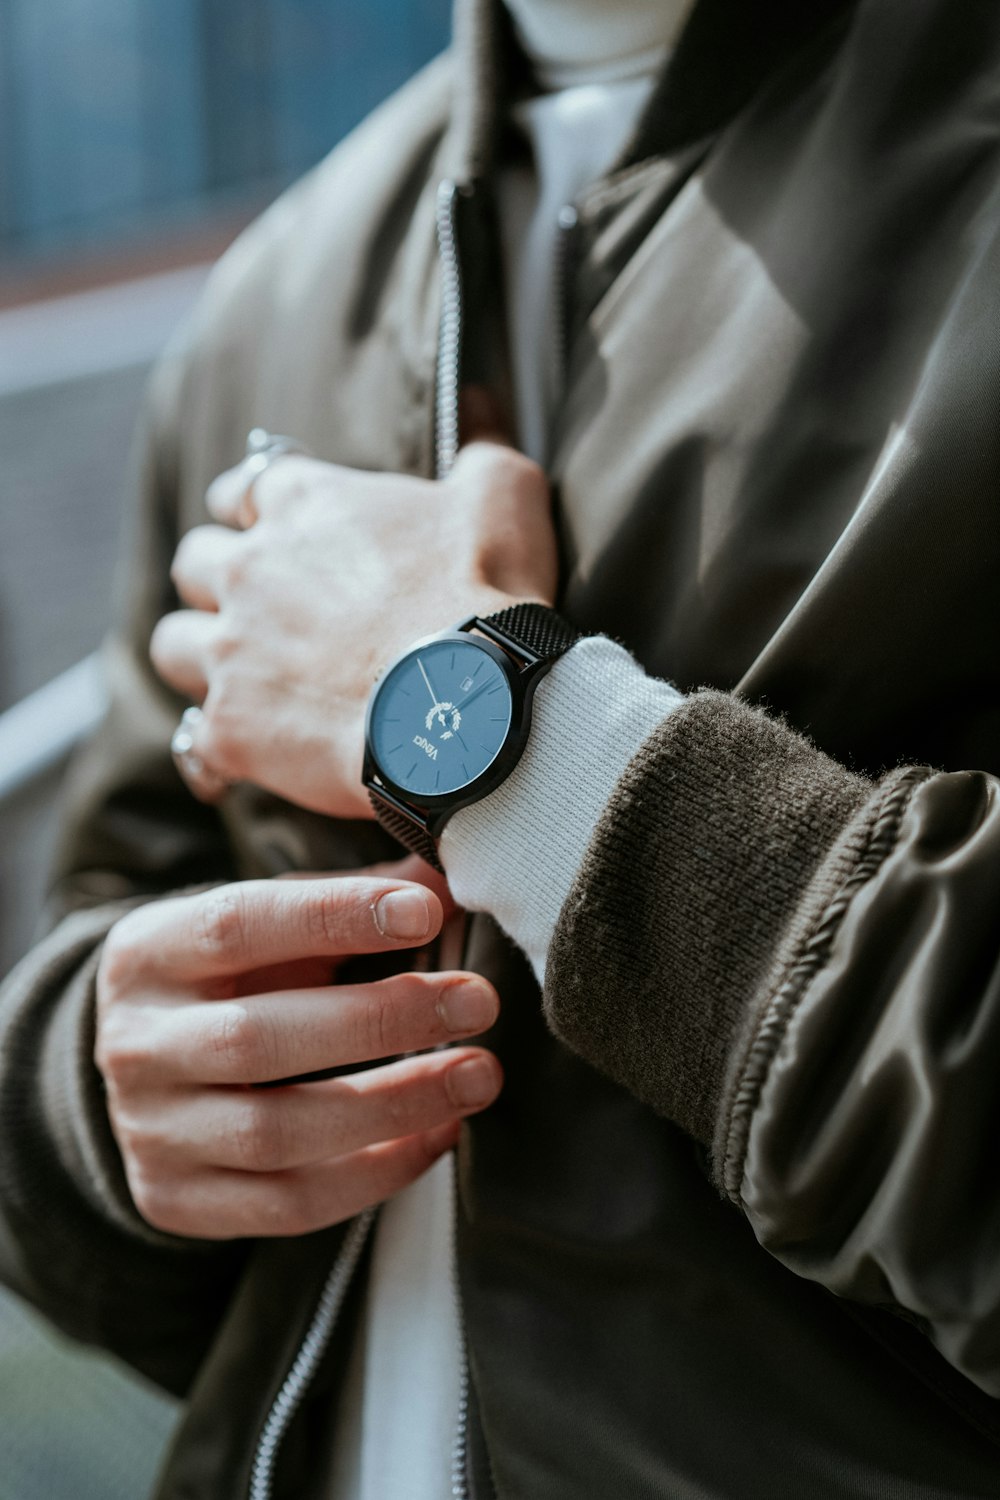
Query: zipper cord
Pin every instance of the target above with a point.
(450, 333)
(311, 1351)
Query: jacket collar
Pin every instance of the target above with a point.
(725, 51)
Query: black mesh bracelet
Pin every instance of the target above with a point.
(535, 628)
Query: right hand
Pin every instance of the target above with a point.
(201, 997)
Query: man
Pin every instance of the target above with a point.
(769, 426)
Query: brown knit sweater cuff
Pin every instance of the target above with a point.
(722, 844)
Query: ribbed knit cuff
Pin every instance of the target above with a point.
(516, 853)
(725, 837)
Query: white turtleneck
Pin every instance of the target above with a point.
(575, 41)
(515, 854)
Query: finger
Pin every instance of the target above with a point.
(185, 940)
(267, 1037)
(412, 868)
(200, 562)
(255, 487)
(236, 1205)
(230, 498)
(180, 650)
(276, 1130)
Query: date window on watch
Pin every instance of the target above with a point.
(466, 684)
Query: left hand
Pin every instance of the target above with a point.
(292, 619)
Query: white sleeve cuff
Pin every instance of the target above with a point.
(515, 854)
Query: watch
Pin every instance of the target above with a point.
(449, 719)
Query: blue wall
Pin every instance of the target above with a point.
(115, 114)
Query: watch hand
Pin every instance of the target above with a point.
(434, 697)
(483, 687)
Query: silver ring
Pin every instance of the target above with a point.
(262, 449)
(204, 783)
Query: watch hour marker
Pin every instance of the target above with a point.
(394, 748)
(465, 771)
(412, 769)
(437, 780)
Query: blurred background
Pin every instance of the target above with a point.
(137, 137)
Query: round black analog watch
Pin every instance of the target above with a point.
(449, 719)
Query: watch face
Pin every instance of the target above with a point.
(440, 717)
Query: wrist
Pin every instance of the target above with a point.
(516, 853)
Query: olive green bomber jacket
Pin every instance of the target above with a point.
(776, 470)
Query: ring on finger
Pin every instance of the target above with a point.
(204, 783)
(262, 449)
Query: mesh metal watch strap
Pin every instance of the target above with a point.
(536, 629)
(405, 829)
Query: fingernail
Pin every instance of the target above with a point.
(403, 914)
(472, 1083)
(467, 1007)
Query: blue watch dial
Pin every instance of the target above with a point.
(440, 717)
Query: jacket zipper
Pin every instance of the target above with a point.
(566, 223)
(449, 363)
(320, 1331)
(460, 1445)
(450, 331)
(307, 1361)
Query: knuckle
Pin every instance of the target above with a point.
(220, 928)
(328, 912)
(224, 646)
(119, 960)
(235, 1042)
(220, 741)
(188, 544)
(123, 1058)
(237, 571)
(398, 1107)
(259, 1137)
(291, 1211)
(380, 1022)
(154, 1201)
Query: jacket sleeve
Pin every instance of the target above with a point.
(70, 1239)
(800, 968)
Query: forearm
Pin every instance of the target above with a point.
(795, 964)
